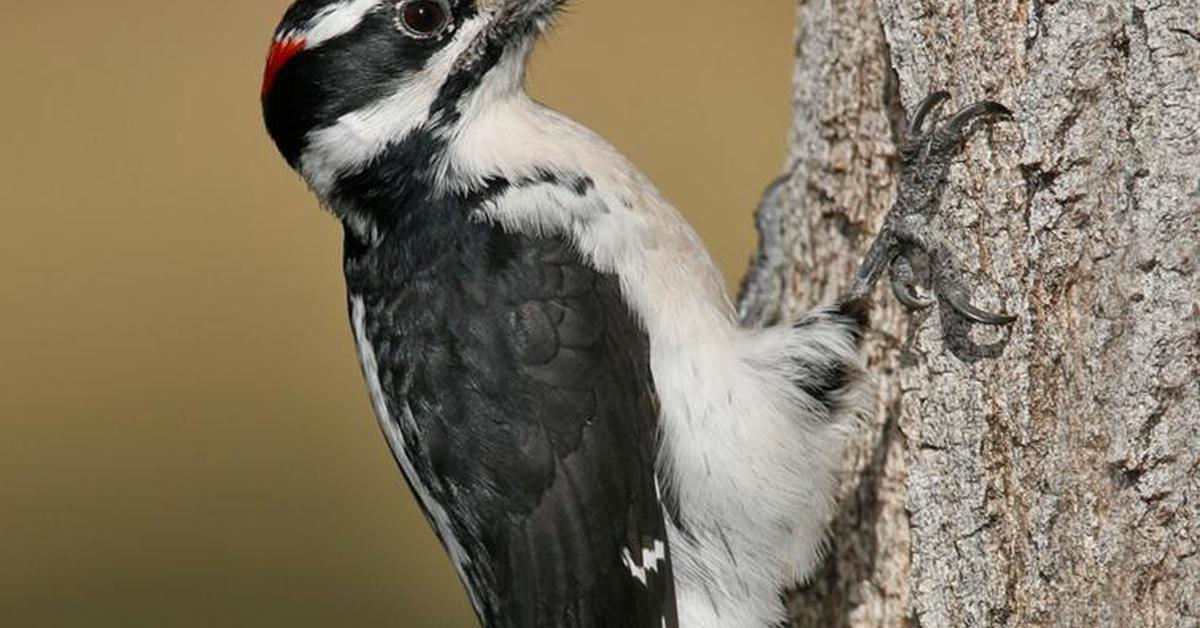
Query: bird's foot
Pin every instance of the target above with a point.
(906, 239)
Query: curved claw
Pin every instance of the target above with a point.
(904, 284)
(981, 108)
(927, 106)
(974, 314)
(907, 295)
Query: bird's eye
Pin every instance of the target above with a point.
(423, 19)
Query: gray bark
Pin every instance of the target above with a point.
(1047, 474)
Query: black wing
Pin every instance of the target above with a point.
(533, 425)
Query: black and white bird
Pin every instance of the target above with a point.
(549, 348)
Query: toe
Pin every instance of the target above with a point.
(910, 297)
(904, 282)
(927, 106)
(959, 122)
(974, 314)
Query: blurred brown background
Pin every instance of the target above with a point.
(184, 437)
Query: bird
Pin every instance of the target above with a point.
(549, 349)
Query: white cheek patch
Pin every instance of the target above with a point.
(360, 136)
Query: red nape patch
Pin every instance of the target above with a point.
(282, 51)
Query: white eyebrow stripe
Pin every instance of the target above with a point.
(336, 20)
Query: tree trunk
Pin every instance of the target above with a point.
(1047, 474)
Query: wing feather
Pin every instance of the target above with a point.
(534, 427)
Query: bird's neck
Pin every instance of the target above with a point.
(398, 226)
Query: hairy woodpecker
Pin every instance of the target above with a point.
(549, 348)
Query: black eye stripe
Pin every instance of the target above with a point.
(353, 70)
(319, 86)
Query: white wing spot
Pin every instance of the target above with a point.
(652, 558)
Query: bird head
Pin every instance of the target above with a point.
(346, 79)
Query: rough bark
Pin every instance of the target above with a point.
(1049, 474)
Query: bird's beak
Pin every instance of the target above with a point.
(508, 25)
(517, 21)
(531, 17)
